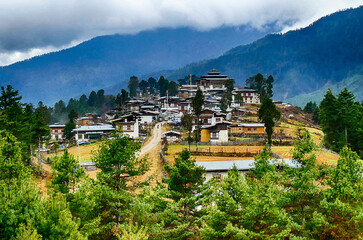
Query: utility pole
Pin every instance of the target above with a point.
(346, 135)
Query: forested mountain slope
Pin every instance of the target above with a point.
(108, 60)
(301, 61)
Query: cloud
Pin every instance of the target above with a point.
(28, 28)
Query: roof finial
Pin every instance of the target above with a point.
(214, 70)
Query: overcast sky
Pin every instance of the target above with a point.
(33, 27)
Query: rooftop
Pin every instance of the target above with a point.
(242, 165)
(92, 128)
(252, 124)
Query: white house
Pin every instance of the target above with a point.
(92, 132)
(128, 124)
(171, 136)
(217, 133)
(57, 131)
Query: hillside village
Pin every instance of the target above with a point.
(182, 123)
(237, 127)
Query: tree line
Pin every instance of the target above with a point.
(309, 202)
(271, 200)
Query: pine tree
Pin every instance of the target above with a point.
(66, 172)
(197, 103)
(268, 114)
(187, 123)
(185, 179)
(133, 85)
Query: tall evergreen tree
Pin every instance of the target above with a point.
(152, 84)
(92, 99)
(268, 114)
(185, 180)
(66, 172)
(100, 97)
(261, 85)
(197, 104)
(187, 123)
(163, 86)
(173, 88)
(133, 85)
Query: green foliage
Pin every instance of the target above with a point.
(11, 164)
(122, 98)
(39, 129)
(152, 84)
(163, 86)
(118, 162)
(261, 85)
(187, 123)
(262, 165)
(197, 104)
(268, 114)
(346, 180)
(66, 172)
(187, 80)
(173, 88)
(312, 107)
(133, 84)
(72, 116)
(341, 121)
(185, 178)
(143, 85)
(238, 98)
(68, 130)
(226, 101)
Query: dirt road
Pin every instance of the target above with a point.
(156, 138)
(152, 149)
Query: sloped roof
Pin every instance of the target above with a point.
(242, 165)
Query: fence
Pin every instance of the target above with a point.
(229, 143)
(164, 158)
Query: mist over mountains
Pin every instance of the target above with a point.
(327, 52)
(304, 62)
(108, 60)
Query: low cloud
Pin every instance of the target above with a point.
(29, 28)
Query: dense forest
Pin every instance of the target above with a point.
(270, 201)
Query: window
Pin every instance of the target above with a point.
(124, 127)
(255, 129)
(129, 127)
(214, 134)
(209, 120)
(249, 129)
(217, 177)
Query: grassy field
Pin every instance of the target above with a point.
(321, 157)
(291, 130)
(85, 151)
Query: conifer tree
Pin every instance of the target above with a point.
(66, 172)
(268, 114)
(197, 103)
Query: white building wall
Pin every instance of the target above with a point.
(223, 136)
(146, 118)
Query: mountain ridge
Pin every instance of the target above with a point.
(110, 60)
(301, 61)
